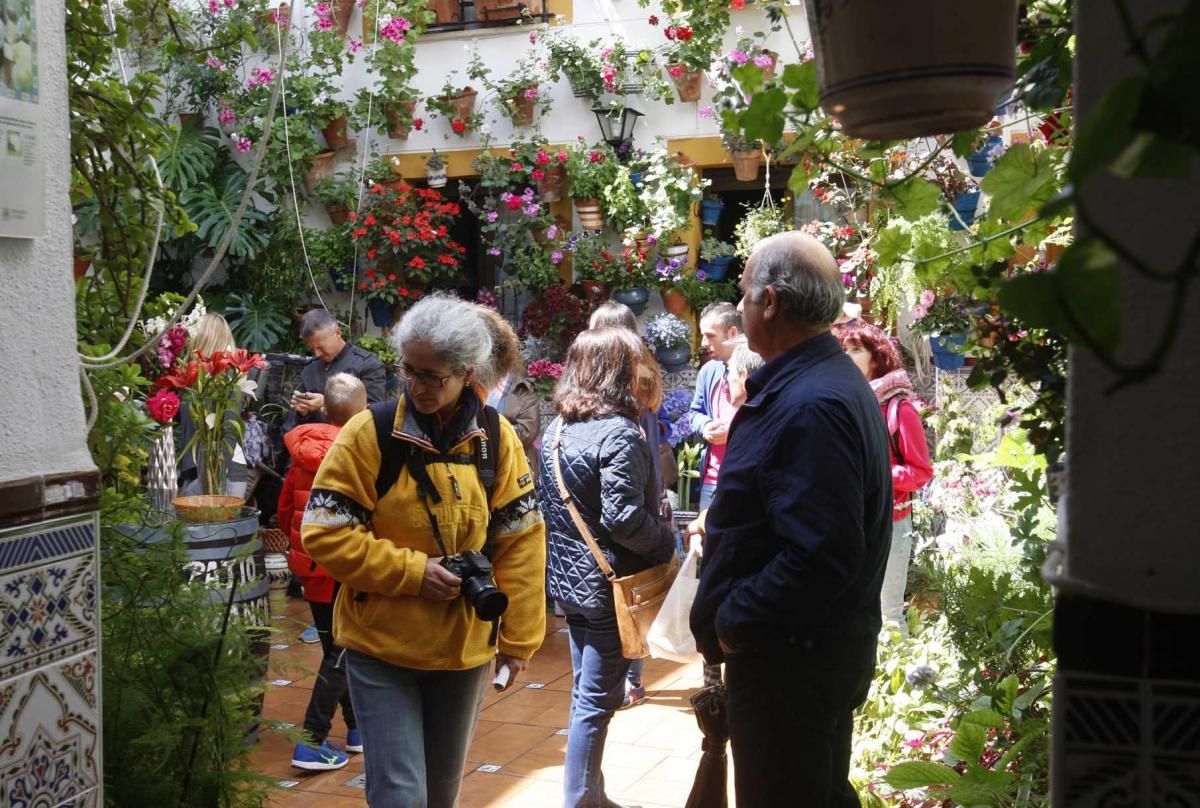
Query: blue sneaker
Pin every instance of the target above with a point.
(353, 741)
(321, 758)
(309, 635)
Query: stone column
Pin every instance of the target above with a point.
(49, 599)
(1127, 697)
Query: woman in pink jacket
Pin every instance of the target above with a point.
(877, 357)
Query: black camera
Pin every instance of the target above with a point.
(478, 586)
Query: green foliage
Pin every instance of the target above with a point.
(1024, 179)
(213, 207)
(381, 347)
(121, 440)
(590, 169)
(258, 324)
(182, 677)
(759, 222)
(190, 158)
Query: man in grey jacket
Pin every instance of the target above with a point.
(331, 355)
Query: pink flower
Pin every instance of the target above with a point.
(226, 116)
(533, 37)
(229, 3)
(762, 61)
(739, 57)
(324, 24)
(242, 144)
(355, 45)
(538, 174)
(531, 93)
(928, 298)
(556, 257)
(492, 216)
(552, 231)
(543, 158)
(561, 157)
(259, 76)
(213, 7)
(705, 112)
(322, 10)
(215, 63)
(675, 70)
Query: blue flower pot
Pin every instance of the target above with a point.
(715, 269)
(978, 160)
(341, 276)
(945, 357)
(710, 211)
(381, 312)
(675, 359)
(965, 204)
(635, 177)
(634, 298)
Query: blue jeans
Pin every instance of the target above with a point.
(707, 492)
(598, 690)
(416, 727)
(895, 576)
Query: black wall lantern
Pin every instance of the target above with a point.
(617, 128)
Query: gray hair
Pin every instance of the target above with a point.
(725, 314)
(454, 328)
(743, 361)
(791, 264)
(315, 321)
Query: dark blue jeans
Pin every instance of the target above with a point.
(598, 690)
(416, 727)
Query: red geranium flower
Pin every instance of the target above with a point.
(418, 123)
(458, 125)
(653, 19)
(538, 174)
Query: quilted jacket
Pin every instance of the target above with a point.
(606, 465)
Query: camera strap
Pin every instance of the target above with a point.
(426, 490)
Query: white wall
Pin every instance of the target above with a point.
(41, 411)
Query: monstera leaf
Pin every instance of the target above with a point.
(212, 208)
(258, 325)
(189, 158)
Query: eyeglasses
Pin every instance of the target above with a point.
(424, 379)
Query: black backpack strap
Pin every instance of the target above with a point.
(393, 453)
(487, 460)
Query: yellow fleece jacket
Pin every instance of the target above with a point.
(378, 550)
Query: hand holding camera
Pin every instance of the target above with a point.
(439, 582)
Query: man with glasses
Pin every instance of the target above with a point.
(331, 355)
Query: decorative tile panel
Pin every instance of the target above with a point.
(48, 593)
(50, 720)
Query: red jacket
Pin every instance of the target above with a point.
(307, 444)
(913, 469)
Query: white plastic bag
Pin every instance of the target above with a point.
(670, 635)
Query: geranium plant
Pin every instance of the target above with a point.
(595, 260)
(449, 103)
(406, 232)
(590, 169)
(555, 318)
(666, 331)
(213, 387)
(544, 374)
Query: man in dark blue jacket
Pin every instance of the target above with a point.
(797, 539)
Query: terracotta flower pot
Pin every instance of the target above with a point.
(463, 104)
(590, 217)
(342, 11)
(337, 213)
(674, 302)
(891, 70)
(522, 108)
(187, 119)
(399, 116)
(596, 291)
(322, 169)
(746, 163)
(447, 11)
(769, 70)
(336, 136)
(82, 262)
(276, 19)
(550, 187)
(687, 82)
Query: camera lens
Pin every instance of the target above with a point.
(489, 602)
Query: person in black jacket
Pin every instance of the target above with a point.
(609, 473)
(331, 355)
(797, 539)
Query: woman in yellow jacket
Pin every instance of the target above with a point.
(415, 608)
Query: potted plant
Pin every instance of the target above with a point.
(632, 287)
(710, 210)
(598, 269)
(671, 339)
(687, 55)
(757, 223)
(715, 258)
(519, 96)
(386, 293)
(946, 67)
(746, 155)
(959, 190)
(544, 374)
(580, 63)
(556, 318)
(435, 170)
(456, 103)
(333, 250)
(670, 191)
(623, 205)
(338, 195)
(590, 169)
(322, 169)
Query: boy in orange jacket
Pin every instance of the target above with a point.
(345, 396)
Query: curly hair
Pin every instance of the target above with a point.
(885, 357)
(506, 348)
(599, 376)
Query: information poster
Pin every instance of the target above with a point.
(22, 159)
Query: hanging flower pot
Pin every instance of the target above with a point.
(596, 291)
(275, 21)
(978, 161)
(892, 71)
(551, 184)
(522, 107)
(687, 82)
(463, 104)
(399, 116)
(82, 262)
(710, 211)
(335, 133)
(674, 301)
(381, 312)
(945, 357)
(635, 298)
(342, 11)
(590, 216)
(322, 169)
(715, 269)
(187, 119)
(964, 205)
(769, 70)
(746, 163)
(337, 213)
(341, 276)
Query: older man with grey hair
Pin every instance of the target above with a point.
(797, 538)
(331, 355)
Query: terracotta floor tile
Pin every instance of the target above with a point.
(481, 789)
(543, 762)
(506, 742)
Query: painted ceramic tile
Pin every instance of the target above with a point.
(48, 595)
(50, 719)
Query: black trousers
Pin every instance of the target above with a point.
(330, 688)
(791, 720)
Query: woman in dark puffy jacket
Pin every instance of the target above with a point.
(607, 468)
